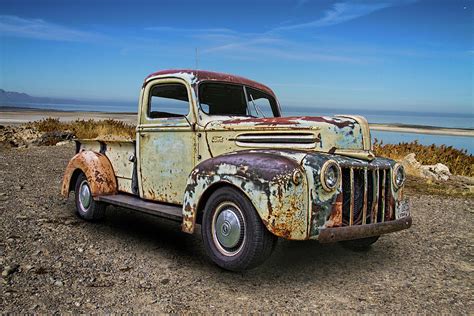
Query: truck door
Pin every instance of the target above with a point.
(166, 141)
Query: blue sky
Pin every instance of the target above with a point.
(390, 55)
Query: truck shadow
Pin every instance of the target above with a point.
(299, 260)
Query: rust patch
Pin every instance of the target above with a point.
(335, 218)
(264, 166)
(290, 120)
(362, 231)
(98, 170)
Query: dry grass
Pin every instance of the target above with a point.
(459, 161)
(87, 129)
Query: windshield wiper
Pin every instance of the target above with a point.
(257, 109)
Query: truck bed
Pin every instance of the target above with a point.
(122, 157)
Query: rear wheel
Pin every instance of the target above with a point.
(359, 244)
(233, 233)
(86, 207)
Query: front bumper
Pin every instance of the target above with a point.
(327, 235)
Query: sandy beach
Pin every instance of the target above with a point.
(16, 116)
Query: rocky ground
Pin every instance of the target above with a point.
(54, 262)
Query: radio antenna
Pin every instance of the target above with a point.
(197, 59)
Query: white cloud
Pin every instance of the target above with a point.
(342, 12)
(251, 46)
(268, 47)
(40, 29)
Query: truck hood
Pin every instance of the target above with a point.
(341, 134)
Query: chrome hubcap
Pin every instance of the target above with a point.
(228, 229)
(85, 195)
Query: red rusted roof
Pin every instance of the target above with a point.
(203, 75)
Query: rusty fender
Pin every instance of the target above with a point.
(266, 178)
(98, 170)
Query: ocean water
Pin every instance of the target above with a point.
(452, 120)
(459, 142)
(449, 120)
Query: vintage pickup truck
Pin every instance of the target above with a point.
(213, 149)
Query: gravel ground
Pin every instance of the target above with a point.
(54, 262)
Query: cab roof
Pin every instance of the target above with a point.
(203, 75)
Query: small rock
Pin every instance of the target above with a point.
(9, 270)
(436, 172)
(71, 222)
(57, 265)
(165, 281)
(125, 269)
(58, 283)
(81, 250)
(431, 172)
(65, 142)
(28, 267)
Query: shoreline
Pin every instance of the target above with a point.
(19, 115)
(421, 129)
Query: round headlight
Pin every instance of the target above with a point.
(330, 175)
(398, 176)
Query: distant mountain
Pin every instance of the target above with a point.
(11, 97)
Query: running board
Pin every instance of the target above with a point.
(172, 212)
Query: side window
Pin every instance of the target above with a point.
(168, 100)
(259, 104)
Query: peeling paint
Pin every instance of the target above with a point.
(98, 170)
(178, 159)
(266, 179)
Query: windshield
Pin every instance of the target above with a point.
(235, 100)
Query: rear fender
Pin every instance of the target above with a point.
(266, 178)
(98, 170)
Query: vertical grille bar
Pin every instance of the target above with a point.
(375, 200)
(389, 197)
(382, 197)
(351, 209)
(364, 207)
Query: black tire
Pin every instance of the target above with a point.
(362, 244)
(247, 243)
(86, 207)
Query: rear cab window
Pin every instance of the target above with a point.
(168, 100)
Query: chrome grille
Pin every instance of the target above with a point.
(366, 196)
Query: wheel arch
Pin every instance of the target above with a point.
(73, 180)
(265, 178)
(207, 194)
(97, 169)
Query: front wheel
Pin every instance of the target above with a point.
(86, 207)
(233, 233)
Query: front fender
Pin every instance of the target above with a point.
(265, 178)
(98, 170)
